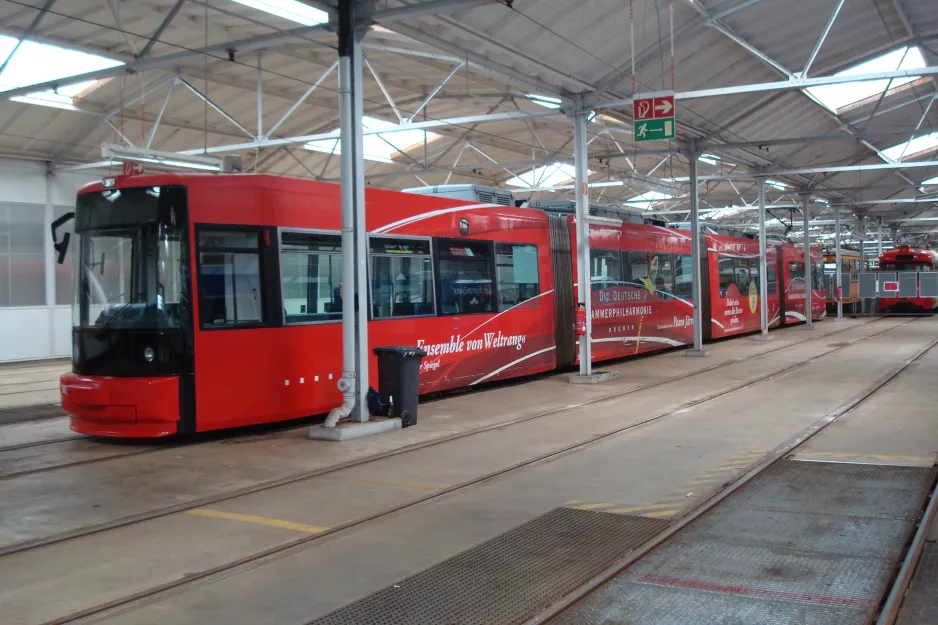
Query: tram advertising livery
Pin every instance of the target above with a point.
(206, 301)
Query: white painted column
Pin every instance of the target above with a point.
(584, 277)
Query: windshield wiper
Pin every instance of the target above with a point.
(100, 334)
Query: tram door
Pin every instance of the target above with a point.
(782, 284)
(706, 301)
(562, 261)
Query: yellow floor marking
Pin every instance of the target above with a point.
(831, 454)
(250, 518)
(726, 469)
(593, 506)
(573, 501)
(637, 508)
(361, 480)
(663, 513)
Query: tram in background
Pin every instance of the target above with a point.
(207, 301)
(905, 259)
(851, 265)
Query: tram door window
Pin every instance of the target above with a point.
(516, 270)
(311, 277)
(769, 275)
(606, 271)
(466, 277)
(230, 285)
(401, 278)
(796, 273)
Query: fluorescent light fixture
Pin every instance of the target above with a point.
(820, 200)
(124, 154)
(289, 10)
(911, 148)
(648, 199)
(380, 147)
(709, 159)
(34, 63)
(545, 101)
(838, 96)
(544, 176)
(775, 184)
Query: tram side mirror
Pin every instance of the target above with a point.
(61, 247)
(101, 270)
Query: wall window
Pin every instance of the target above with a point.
(466, 271)
(401, 278)
(22, 255)
(230, 292)
(516, 271)
(606, 271)
(64, 273)
(311, 277)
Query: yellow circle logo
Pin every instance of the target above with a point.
(753, 297)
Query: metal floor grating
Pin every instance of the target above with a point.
(508, 578)
(921, 602)
(807, 543)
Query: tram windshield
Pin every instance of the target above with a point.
(132, 258)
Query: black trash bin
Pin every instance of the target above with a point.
(398, 381)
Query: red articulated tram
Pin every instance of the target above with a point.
(206, 301)
(905, 260)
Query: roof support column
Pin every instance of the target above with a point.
(354, 380)
(763, 270)
(808, 287)
(695, 244)
(583, 268)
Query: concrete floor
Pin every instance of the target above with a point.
(30, 384)
(361, 528)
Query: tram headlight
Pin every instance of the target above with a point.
(148, 354)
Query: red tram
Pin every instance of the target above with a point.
(212, 301)
(907, 259)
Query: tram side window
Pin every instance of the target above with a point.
(683, 277)
(606, 269)
(637, 265)
(401, 278)
(466, 271)
(662, 274)
(740, 272)
(770, 275)
(796, 272)
(230, 285)
(516, 270)
(311, 274)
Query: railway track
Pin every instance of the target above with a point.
(890, 609)
(306, 475)
(163, 446)
(154, 593)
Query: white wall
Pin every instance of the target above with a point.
(33, 332)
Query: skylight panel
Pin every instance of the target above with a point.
(289, 10)
(545, 101)
(838, 96)
(379, 147)
(545, 176)
(709, 159)
(911, 148)
(38, 62)
(775, 184)
(648, 199)
(931, 182)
